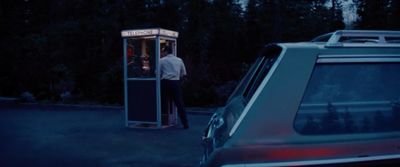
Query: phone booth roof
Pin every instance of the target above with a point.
(149, 32)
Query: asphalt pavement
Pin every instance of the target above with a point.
(34, 135)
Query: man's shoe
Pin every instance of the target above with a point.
(185, 126)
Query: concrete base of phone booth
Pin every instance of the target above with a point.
(142, 125)
(148, 126)
(168, 120)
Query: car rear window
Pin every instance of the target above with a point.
(351, 98)
(246, 90)
(268, 58)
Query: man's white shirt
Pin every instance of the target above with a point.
(172, 67)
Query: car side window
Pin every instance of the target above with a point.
(351, 98)
(269, 57)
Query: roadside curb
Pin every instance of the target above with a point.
(189, 110)
(201, 110)
(8, 100)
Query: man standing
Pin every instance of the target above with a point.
(172, 69)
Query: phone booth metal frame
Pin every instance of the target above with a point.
(142, 82)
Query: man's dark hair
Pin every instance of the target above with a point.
(167, 49)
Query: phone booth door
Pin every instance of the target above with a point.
(169, 111)
(141, 80)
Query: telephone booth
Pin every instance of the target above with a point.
(143, 103)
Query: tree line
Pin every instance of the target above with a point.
(341, 122)
(50, 47)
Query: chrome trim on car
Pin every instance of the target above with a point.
(257, 93)
(363, 45)
(358, 58)
(318, 162)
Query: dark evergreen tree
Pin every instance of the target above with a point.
(263, 20)
(23, 47)
(330, 120)
(336, 17)
(195, 37)
(226, 45)
(396, 115)
(349, 125)
(376, 14)
(253, 26)
(75, 45)
(169, 15)
(379, 121)
(284, 20)
(394, 15)
(311, 126)
(365, 124)
(312, 18)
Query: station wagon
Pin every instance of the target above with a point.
(332, 101)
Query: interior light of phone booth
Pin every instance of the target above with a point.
(130, 52)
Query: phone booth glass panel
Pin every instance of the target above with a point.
(141, 58)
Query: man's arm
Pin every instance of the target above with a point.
(183, 70)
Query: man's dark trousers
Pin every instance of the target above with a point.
(171, 89)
